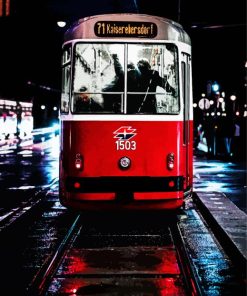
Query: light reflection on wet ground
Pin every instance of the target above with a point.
(226, 177)
(35, 165)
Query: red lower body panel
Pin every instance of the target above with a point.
(102, 183)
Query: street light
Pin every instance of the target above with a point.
(61, 24)
(233, 98)
(223, 104)
(215, 86)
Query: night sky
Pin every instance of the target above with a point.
(31, 42)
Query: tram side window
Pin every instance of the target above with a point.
(66, 58)
(98, 82)
(152, 79)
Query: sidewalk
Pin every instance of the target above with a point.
(228, 176)
(216, 182)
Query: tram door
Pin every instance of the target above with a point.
(187, 129)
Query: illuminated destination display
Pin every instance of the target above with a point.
(125, 29)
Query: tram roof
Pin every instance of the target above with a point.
(166, 29)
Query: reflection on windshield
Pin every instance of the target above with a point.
(104, 82)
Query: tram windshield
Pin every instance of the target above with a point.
(125, 79)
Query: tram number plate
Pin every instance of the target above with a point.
(126, 145)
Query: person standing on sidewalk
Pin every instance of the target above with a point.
(227, 133)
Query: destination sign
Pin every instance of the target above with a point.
(125, 29)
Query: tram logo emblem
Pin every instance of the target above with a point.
(124, 133)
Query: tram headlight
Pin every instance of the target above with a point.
(78, 162)
(124, 163)
(170, 161)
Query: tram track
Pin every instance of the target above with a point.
(135, 280)
(129, 254)
(190, 276)
(34, 200)
(133, 243)
(28, 238)
(13, 216)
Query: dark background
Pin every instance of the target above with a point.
(30, 50)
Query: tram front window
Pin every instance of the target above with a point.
(98, 82)
(150, 74)
(152, 79)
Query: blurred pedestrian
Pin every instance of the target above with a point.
(227, 132)
(236, 145)
(209, 134)
(198, 135)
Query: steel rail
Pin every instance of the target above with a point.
(191, 278)
(42, 279)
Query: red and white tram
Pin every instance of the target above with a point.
(126, 114)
